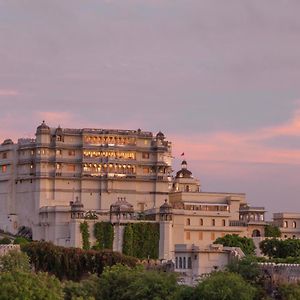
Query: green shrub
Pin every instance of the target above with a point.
(104, 234)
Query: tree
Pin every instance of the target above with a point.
(14, 260)
(275, 248)
(289, 291)
(233, 240)
(29, 286)
(122, 283)
(247, 267)
(272, 231)
(21, 241)
(224, 286)
(5, 241)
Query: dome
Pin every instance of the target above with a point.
(58, 131)
(121, 206)
(166, 207)
(184, 172)
(7, 142)
(43, 127)
(160, 136)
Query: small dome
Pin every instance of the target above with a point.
(121, 206)
(160, 136)
(58, 131)
(165, 206)
(43, 127)
(184, 172)
(7, 142)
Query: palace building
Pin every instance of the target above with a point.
(51, 184)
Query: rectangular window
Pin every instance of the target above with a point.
(3, 169)
(4, 155)
(71, 168)
(146, 170)
(58, 152)
(71, 152)
(188, 235)
(145, 155)
(200, 235)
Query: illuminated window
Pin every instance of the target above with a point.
(188, 235)
(58, 166)
(285, 224)
(3, 169)
(188, 221)
(58, 152)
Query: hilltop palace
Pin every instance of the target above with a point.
(49, 183)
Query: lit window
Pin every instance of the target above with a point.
(58, 152)
(58, 166)
(285, 224)
(4, 169)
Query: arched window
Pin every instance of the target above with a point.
(188, 221)
(294, 224)
(180, 263)
(189, 262)
(187, 188)
(176, 262)
(201, 222)
(184, 263)
(285, 224)
(224, 222)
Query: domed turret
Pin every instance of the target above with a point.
(160, 136)
(184, 172)
(43, 128)
(165, 211)
(7, 142)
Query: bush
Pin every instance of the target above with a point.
(72, 263)
(21, 240)
(5, 241)
(233, 240)
(14, 260)
(104, 234)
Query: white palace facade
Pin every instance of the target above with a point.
(49, 184)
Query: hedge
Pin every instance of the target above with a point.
(72, 263)
(104, 234)
(141, 240)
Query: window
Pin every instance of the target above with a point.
(71, 168)
(188, 235)
(189, 263)
(187, 188)
(180, 262)
(188, 221)
(200, 236)
(3, 169)
(294, 224)
(224, 222)
(145, 155)
(58, 166)
(146, 170)
(201, 222)
(176, 262)
(71, 152)
(184, 262)
(285, 224)
(212, 236)
(213, 222)
(4, 155)
(58, 152)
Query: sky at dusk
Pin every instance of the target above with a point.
(221, 79)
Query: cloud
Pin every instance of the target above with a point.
(243, 147)
(8, 92)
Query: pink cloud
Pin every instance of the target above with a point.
(242, 147)
(8, 92)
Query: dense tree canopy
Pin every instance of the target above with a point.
(233, 240)
(19, 285)
(272, 231)
(276, 248)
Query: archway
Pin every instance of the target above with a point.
(256, 233)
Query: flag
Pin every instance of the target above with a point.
(182, 154)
